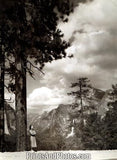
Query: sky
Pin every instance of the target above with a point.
(92, 33)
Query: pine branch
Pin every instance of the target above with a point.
(32, 65)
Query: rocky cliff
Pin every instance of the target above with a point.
(59, 125)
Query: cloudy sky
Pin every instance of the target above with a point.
(92, 32)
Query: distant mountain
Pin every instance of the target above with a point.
(59, 125)
(56, 128)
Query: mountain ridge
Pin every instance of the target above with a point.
(62, 121)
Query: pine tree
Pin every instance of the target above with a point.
(31, 34)
(91, 135)
(82, 92)
(1, 94)
(110, 121)
(110, 127)
(3, 25)
(113, 93)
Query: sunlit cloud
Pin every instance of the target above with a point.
(92, 32)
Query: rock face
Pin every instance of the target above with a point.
(56, 129)
(10, 128)
(10, 120)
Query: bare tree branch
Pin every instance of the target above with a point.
(31, 64)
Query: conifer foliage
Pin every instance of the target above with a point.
(31, 39)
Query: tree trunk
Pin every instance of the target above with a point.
(1, 96)
(82, 109)
(21, 109)
(81, 99)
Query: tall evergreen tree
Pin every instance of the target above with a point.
(3, 25)
(91, 135)
(82, 91)
(110, 127)
(31, 34)
(113, 93)
(110, 121)
(1, 93)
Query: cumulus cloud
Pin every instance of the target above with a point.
(45, 97)
(93, 35)
(92, 32)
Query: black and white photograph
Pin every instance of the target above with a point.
(58, 79)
